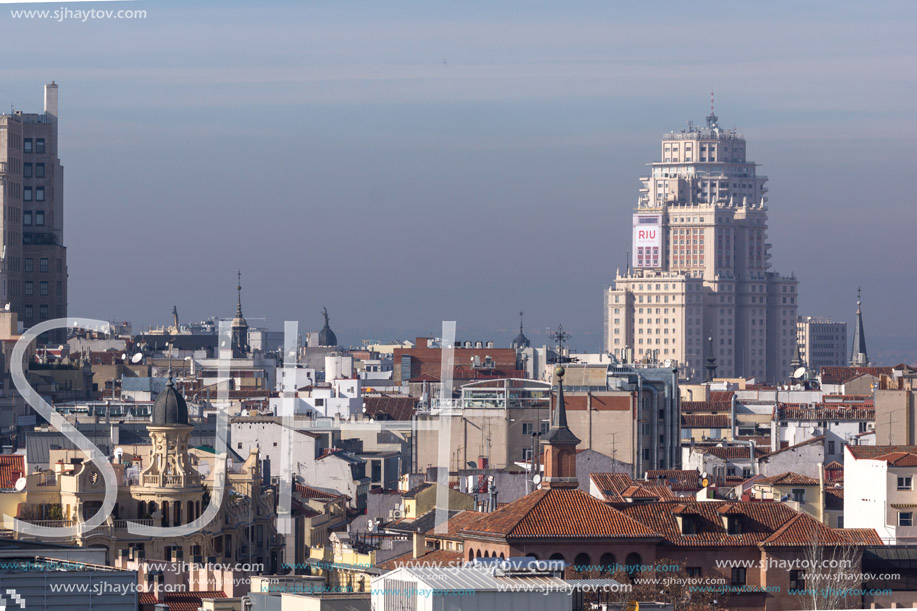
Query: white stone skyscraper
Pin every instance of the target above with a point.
(700, 279)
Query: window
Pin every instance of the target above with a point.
(43, 311)
(799, 495)
(905, 483)
(27, 194)
(39, 145)
(39, 194)
(43, 288)
(528, 428)
(906, 518)
(693, 571)
(29, 262)
(28, 312)
(39, 218)
(27, 145)
(738, 576)
(797, 579)
(39, 170)
(830, 447)
(43, 265)
(27, 218)
(27, 170)
(29, 287)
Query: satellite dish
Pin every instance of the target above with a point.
(667, 362)
(371, 526)
(799, 373)
(137, 358)
(20, 484)
(124, 357)
(703, 475)
(119, 452)
(537, 479)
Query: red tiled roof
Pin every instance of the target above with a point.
(189, 601)
(841, 375)
(704, 421)
(600, 403)
(734, 452)
(787, 479)
(12, 467)
(437, 558)
(676, 479)
(559, 513)
(861, 536)
(874, 452)
(899, 459)
(761, 524)
(308, 492)
(611, 485)
(705, 406)
(460, 521)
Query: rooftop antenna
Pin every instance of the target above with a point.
(712, 118)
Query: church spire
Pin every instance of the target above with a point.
(560, 444)
(239, 289)
(858, 356)
(521, 340)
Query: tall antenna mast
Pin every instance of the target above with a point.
(712, 119)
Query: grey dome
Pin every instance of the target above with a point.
(170, 407)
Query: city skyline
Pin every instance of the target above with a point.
(501, 138)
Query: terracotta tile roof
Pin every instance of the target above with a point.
(147, 598)
(308, 492)
(861, 536)
(601, 403)
(803, 530)
(12, 467)
(767, 524)
(189, 601)
(676, 479)
(705, 406)
(899, 459)
(458, 522)
(734, 452)
(435, 559)
(389, 408)
(559, 513)
(704, 421)
(874, 452)
(611, 485)
(787, 479)
(834, 465)
(659, 491)
(841, 375)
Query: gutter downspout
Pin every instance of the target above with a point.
(821, 493)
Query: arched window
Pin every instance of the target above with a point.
(141, 509)
(633, 563)
(502, 557)
(608, 563)
(581, 563)
(470, 554)
(479, 553)
(557, 557)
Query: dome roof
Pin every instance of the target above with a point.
(170, 407)
(326, 337)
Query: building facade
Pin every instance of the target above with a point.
(699, 284)
(822, 342)
(33, 259)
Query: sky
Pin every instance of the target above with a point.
(405, 163)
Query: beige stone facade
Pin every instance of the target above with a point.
(705, 210)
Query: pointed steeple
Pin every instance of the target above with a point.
(560, 444)
(239, 326)
(239, 289)
(858, 356)
(521, 340)
(711, 360)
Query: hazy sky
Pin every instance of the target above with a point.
(404, 163)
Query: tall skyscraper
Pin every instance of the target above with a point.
(33, 259)
(699, 278)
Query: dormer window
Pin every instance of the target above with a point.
(734, 525)
(688, 523)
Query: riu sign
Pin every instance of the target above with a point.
(647, 240)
